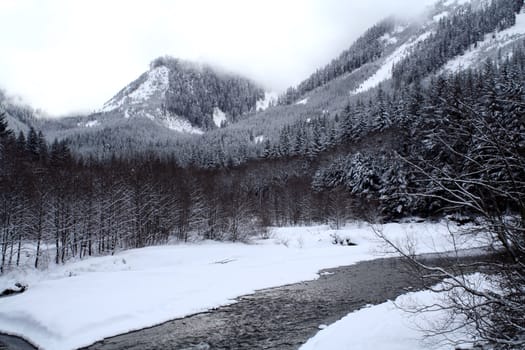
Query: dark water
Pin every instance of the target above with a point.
(278, 318)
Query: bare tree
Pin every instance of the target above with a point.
(487, 182)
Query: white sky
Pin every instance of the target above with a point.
(67, 56)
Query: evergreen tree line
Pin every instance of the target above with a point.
(366, 49)
(454, 35)
(195, 91)
(55, 206)
(251, 139)
(374, 161)
(384, 150)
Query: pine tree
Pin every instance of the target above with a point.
(4, 127)
(32, 144)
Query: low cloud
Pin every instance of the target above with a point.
(69, 56)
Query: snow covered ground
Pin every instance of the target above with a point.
(394, 325)
(380, 327)
(181, 125)
(219, 117)
(156, 83)
(81, 302)
(385, 71)
(270, 98)
(491, 43)
(302, 102)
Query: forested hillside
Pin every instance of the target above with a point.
(370, 162)
(202, 116)
(367, 48)
(379, 158)
(173, 100)
(191, 91)
(414, 136)
(394, 54)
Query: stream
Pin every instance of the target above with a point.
(277, 318)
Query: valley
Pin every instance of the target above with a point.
(199, 209)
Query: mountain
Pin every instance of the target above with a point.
(185, 96)
(172, 101)
(194, 111)
(392, 56)
(19, 116)
(417, 119)
(451, 35)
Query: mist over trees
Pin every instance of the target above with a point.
(366, 49)
(195, 90)
(249, 134)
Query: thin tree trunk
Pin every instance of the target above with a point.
(39, 234)
(19, 249)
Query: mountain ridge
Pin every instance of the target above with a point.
(176, 99)
(186, 96)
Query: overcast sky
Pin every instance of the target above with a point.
(67, 56)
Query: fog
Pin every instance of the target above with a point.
(71, 56)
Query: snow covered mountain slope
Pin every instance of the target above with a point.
(19, 116)
(493, 46)
(174, 99)
(396, 40)
(193, 99)
(399, 51)
(146, 98)
(385, 71)
(152, 86)
(185, 97)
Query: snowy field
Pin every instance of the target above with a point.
(81, 302)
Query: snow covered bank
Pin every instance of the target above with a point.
(82, 302)
(392, 326)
